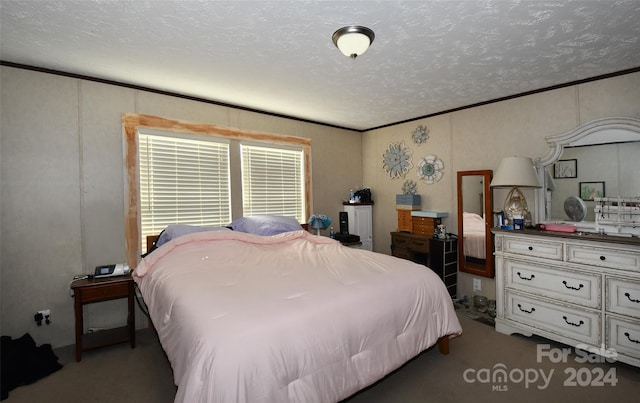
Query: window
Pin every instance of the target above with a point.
(272, 181)
(192, 173)
(182, 180)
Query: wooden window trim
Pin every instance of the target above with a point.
(132, 122)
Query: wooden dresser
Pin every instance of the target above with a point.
(581, 290)
(440, 255)
(424, 223)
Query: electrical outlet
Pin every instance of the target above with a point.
(477, 284)
(44, 315)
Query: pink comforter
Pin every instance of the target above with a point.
(475, 232)
(292, 317)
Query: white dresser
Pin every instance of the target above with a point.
(575, 289)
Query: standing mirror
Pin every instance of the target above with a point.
(475, 219)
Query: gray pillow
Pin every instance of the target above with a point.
(265, 224)
(176, 230)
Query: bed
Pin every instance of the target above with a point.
(287, 317)
(474, 236)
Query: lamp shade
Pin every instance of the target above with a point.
(353, 40)
(319, 221)
(516, 171)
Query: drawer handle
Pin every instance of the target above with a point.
(630, 339)
(603, 258)
(573, 324)
(400, 241)
(525, 311)
(419, 243)
(530, 247)
(637, 301)
(572, 288)
(527, 278)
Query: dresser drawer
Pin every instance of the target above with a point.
(604, 257)
(536, 248)
(424, 225)
(565, 321)
(562, 284)
(419, 245)
(404, 221)
(105, 292)
(623, 336)
(400, 252)
(400, 240)
(410, 242)
(623, 296)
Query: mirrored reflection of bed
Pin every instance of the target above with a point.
(474, 238)
(247, 315)
(475, 219)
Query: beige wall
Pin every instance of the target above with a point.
(62, 174)
(478, 138)
(62, 187)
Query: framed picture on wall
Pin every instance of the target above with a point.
(565, 169)
(589, 190)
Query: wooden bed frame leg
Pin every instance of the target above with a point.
(443, 345)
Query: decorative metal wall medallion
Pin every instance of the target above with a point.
(420, 134)
(409, 187)
(397, 160)
(430, 169)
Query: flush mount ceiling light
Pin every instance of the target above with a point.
(353, 40)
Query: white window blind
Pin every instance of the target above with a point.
(182, 181)
(272, 181)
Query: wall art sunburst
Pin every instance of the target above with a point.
(397, 160)
(420, 134)
(430, 169)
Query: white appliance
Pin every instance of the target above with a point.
(112, 270)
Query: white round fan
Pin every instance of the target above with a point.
(575, 208)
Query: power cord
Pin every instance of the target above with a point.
(143, 309)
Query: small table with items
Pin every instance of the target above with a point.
(87, 291)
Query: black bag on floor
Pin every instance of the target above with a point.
(24, 363)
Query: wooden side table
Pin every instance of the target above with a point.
(87, 291)
(440, 255)
(411, 247)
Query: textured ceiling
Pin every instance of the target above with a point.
(278, 57)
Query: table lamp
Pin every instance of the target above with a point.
(319, 221)
(515, 172)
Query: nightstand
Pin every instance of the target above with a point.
(97, 290)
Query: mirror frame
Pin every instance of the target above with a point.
(478, 269)
(598, 131)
